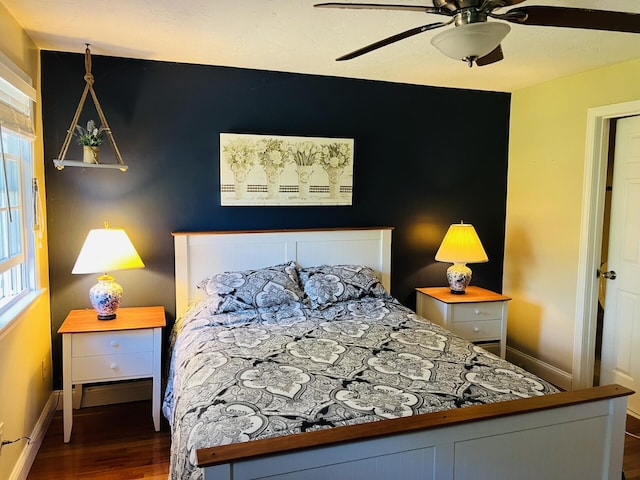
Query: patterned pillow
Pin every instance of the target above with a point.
(328, 284)
(265, 287)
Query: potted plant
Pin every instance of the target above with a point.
(90, 138)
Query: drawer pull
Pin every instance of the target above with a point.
(476, 330)
(113, 366)
(114, 344)
(477, 311)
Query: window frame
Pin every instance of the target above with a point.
(17, 102)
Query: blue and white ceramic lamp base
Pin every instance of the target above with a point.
(459, 277)
(105, 297)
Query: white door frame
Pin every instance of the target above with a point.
(593, 193)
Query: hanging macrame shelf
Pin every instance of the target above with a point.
(60, 162)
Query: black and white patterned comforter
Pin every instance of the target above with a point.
(267, 372)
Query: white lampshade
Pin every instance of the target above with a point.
(461, 245)
(470, 41)
(106, 250)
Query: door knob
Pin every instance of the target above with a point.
(611, 275)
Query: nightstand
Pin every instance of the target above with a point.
(127, 347)
(479, 315)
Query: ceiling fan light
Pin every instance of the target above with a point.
(473, 40)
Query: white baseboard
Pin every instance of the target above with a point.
(551, 374)
(28, 455)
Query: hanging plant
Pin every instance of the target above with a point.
(90, 136)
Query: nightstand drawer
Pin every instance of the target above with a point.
(106, 367)
(478, 331)
(111, 343)
(472, 312)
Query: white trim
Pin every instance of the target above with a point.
(593, 189)
(29, 452)
(554, 375)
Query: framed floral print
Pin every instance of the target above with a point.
(282, 170)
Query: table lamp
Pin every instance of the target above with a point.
(461, 245)
(105, 250)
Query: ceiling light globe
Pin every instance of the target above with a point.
(470, 41)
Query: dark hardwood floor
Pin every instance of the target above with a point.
(112, 442)
(118, 442)
(631, 463)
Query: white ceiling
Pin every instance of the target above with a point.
(293, 36)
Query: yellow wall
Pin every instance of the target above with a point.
(23, 347)
(544, 205)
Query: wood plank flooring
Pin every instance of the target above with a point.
(114, 442)
(631, 463)
(118, 442)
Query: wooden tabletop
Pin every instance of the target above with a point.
(86, 320)
(472, 294)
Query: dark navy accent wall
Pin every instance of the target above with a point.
(425, 157)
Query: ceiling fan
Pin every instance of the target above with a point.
(475, 39)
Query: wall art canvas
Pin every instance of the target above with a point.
(282, 170)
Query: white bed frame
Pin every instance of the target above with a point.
(572, 435)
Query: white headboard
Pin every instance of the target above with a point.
(199, 255)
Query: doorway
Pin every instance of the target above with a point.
(620, 359)
(604, 251)
(599, 122)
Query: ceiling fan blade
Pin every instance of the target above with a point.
(493, 56)
(502, 3)
(574, 18)
(376, 6)
(392, 39)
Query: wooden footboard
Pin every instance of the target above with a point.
(577, 434)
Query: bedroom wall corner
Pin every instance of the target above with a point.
(544, 206)
(25, 345)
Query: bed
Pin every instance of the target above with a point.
(290, 360)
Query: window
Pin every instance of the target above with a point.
(17, 189)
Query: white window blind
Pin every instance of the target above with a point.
(16, 98)
(14, 115)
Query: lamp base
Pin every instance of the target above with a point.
(459, 277)
(105, 297)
